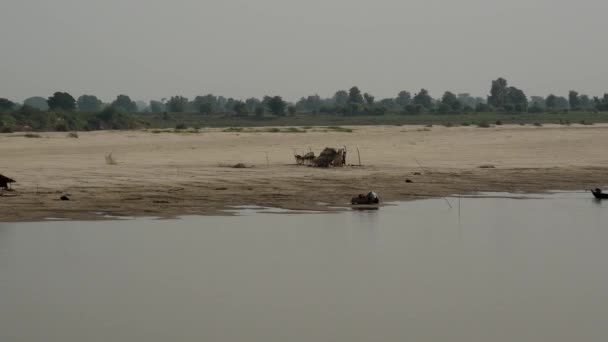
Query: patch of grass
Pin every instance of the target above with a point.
(483, 124)
(180, 126)
(340, 129)
(538, 124)
(73, 135)
(498, 123)
(294, 130)
(586, 123)
(449, 124)
(32, 135)
(466, 124)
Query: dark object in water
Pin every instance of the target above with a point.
(409, 181)
(370, 198)
(417, 174)
(5, 182)
(597, 193)
(64, 198)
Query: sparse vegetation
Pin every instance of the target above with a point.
(483, 124)
(73, 135)
(340, 129)
(32, 135)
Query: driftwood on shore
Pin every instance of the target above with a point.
(305, 159)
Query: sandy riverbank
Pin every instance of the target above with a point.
(167, 174)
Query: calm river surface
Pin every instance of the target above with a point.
(510, 270)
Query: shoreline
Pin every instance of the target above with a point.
(169, 175)
(43, 206)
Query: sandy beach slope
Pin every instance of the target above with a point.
(169, 174)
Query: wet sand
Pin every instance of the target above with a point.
(171, 174)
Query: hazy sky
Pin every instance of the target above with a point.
(151, 49)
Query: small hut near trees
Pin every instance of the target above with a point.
(5, 182)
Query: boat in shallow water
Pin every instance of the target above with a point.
(597, 193)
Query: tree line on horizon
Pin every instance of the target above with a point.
(502, 98)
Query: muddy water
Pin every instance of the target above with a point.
(487, 269)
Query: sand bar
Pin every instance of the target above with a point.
(172, 174)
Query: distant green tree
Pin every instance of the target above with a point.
(220, 104)
(6, 104)
(276, 105)
(354, 96)
(423, 99)
(206, 108)
(403, 99)
(291, 110)
(312, 103)
(240, 108)
(498, 93)
(450, 102)
(205, 104)
(252, 103)
(390, 105)
(89, 103)
(229, 106)
(125, 104)
(37, 102)
(157, 107)
(601, 104)
(574, 100)
(517, 99)
(259, 111)
(482, 108)
(551, 102)
(62, 100)
(112, 118)
(537, 102)
(341, 98)
(177, 104)
(585, 102)
(369, 99)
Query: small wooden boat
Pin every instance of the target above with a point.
(597, 193)
(5, 182)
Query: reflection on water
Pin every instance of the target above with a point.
(508, 270)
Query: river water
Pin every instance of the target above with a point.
(487, 269)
